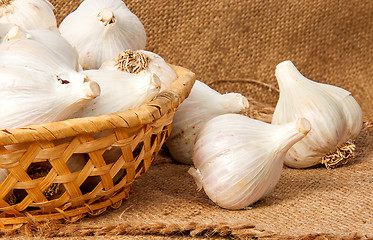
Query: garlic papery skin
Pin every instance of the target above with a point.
(142, 62)
(31, 97)
(119, 92)
(38, 49)
(335, 116)
(59, 45)
(239, 160)
(101, 29)
(202, 104)
(28, 14)
(48, 39)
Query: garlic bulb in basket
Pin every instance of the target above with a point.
(239, 160)
(38, 49)
(142, 62)
(335, 116)
(101, 29)
(29, 14)
(202, 104)
(31, 96)
(120, 91)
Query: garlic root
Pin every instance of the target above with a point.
(341, 156)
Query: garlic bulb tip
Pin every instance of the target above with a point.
(303, 126)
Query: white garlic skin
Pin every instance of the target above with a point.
(335, 115)
(239, 160)
(120, 91)
(98, 40)
(29, 14)
(202, 104)
(38, 49)
(55, 42)
(156, 65)
(33, 97)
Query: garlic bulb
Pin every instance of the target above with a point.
(31, 96)
(335, 115)
(101, 29)
(28, 14)
(59, 45)
(120, 91)
(142, 62)
(202, 104)
(38, 49)
(239, 160)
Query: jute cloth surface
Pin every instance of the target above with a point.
(228, 44)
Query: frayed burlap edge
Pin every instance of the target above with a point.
(54, 229)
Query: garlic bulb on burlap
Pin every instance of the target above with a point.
(142, 62)
(31, 96)
(100, 29)
(239, 160)
(335, 116)
(28, 14)
(120, 91)
(202, 104)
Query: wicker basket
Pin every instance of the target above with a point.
(138, 134)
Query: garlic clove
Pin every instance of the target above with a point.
(28, 14)
(239, 160)
(335, 115)
(114, 86)
(101, 29)
(202, 104)
(142, 62)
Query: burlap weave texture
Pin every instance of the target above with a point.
(329, 41)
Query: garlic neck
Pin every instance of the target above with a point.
(290, 135)
(288, 75)
(234, 102)
(106, 16)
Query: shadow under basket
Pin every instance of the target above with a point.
(112, 151)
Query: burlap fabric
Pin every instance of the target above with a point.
(233, 45)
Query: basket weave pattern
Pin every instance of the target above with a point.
(138, 134)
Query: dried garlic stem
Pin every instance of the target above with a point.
(106, 16)
(132, 61)
(340, 156)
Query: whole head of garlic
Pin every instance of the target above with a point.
(38, 49)
(28, 14)
(202, 104)
(239, 160)
(142, 62)
(119, 91)
(31, 96)
(17, 41)
(335, 116)
(100, 29)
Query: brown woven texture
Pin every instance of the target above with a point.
(233, 45)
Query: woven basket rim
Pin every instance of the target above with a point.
(146, 113)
